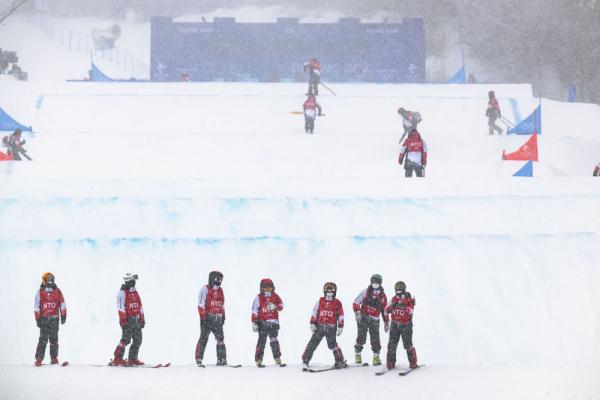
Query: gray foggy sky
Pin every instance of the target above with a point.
(510, 40)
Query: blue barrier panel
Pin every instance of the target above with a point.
(7, 123)
(98, 76)
(349, 51)
(530, 125)
(526, 170)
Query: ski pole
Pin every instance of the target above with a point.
(507, 121)
(24, 154)
(325, 86)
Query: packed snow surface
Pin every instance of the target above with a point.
(171, 181)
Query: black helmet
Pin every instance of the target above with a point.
(265, 284)
(376, 278)
(491, 93)
(215, 278)
(330, 287)
(400, 287)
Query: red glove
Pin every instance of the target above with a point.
(122, 320)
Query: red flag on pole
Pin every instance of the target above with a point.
(529, 151)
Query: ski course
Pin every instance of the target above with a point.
(115, 188)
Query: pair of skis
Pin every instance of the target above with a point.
(276, 365)
(332, 368)
(161, 365)
(403, 372)
(215, 365)
(62, 364)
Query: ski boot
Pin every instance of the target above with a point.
(199, 363)
(305, 366)
(260, 364)
(118, 362)
(54, 360)
(340, 364)
(376, 360)
(357, 358)
(38, 362)
(278, 362)
(222, 363)
(134, 362)
(412, 358)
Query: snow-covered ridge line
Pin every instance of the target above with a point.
(211, 241)
(298, 201)
(294, 218)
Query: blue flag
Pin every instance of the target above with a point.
(530, 125)
(459, 76)
(572, 93)
(98, 76)
(526, 170)
(7, 123)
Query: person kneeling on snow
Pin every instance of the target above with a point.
(15, 144)
(415, 149)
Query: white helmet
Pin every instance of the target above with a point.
(130, 277)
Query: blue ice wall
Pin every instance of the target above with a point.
(349, 51)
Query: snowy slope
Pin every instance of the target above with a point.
(171, 181)
(174, 180)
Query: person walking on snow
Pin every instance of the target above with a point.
(415, 149)
(493, 113)
(410, 120)
(368, 305)
(313, 68)
(49, 307)
(401, 312)
(327, 320)
(265, 320)
(211, 308)
(311, 109)
(131, 320)
(597, 170)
